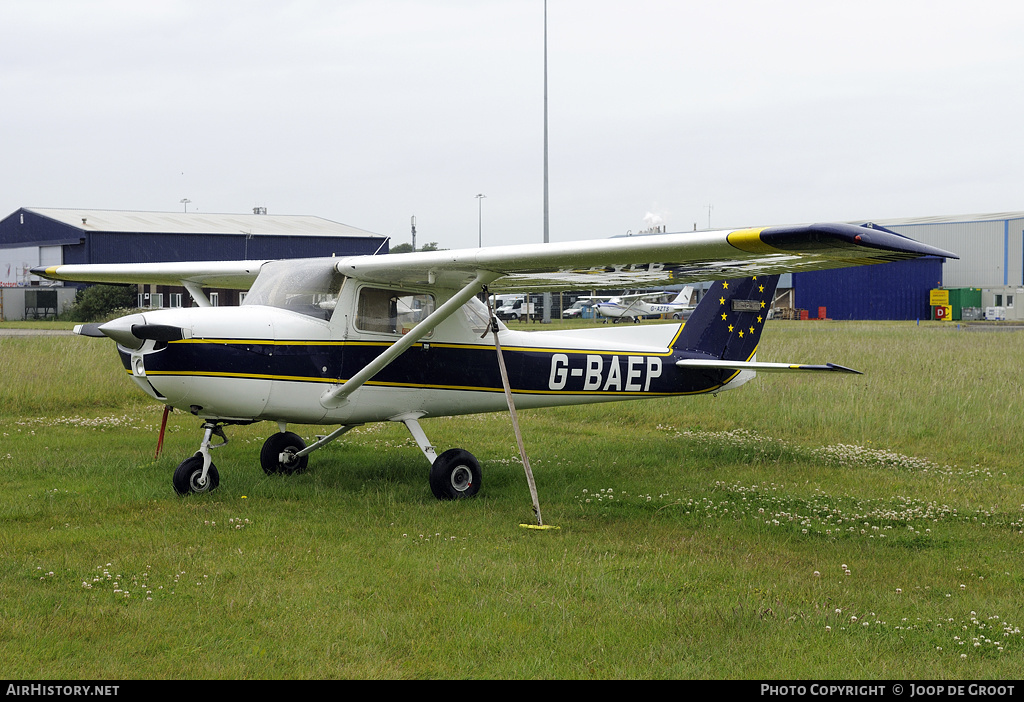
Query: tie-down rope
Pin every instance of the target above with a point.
(512, 410)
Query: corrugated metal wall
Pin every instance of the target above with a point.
(108, 247)
(23, 227)
(29, 229)
(991, 252)
(885, 291)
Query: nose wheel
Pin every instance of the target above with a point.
(188, 477)
(198, 474)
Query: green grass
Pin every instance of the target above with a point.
(699, 537)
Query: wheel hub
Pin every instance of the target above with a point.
(462, 478)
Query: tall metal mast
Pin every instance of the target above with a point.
(547, 295)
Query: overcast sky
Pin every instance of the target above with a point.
(368, 112)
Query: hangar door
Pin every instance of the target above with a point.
(16, 262)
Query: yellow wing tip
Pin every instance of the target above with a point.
(749, 240)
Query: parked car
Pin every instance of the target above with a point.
(576, 311)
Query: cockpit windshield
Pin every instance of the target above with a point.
(309, 286)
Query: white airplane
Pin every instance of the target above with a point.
(396, 338)
(636, 305)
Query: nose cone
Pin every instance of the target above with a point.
(132, 331)
(120, 330)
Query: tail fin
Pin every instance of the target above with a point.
(727, 322)
(684, 296)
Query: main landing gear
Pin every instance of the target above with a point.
(280, 454)
(454, 474)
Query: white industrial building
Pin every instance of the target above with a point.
(991, 251)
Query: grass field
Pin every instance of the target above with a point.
(854, 527)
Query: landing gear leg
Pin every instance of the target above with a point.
(198, 474)
(454, 474)
(286, 452)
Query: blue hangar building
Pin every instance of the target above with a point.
(990, 247)
(55, 236)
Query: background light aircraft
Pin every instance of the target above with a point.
(400, 337)
(636, 305)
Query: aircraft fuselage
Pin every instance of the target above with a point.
(264, 363)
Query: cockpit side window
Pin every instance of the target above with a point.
(478, 317)
(391, 311)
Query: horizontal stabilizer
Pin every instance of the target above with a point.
(758, 366)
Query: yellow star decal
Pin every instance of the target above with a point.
(751, 330)
(741, 333)
(730, 330)
(759, 319)
(721, 301)
(760, 288)
(725, 284)
(762, 304)
(723, 316)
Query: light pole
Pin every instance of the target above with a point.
(480, 220)
(185, 202)
(546, 319)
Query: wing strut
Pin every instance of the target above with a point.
(337, 395)
(196, 291)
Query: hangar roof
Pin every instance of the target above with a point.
(199, 223)
(948, 219)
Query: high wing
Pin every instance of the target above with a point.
(233, 275)
(628, 262)
(644, 261)
(193, 276)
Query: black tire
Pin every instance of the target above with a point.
(283, 442)
(187, 474)
(455, 474)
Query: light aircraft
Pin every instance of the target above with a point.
(636, 305)
(399, 337)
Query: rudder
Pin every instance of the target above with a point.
(728, 321)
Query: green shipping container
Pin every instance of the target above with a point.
(963, 297)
